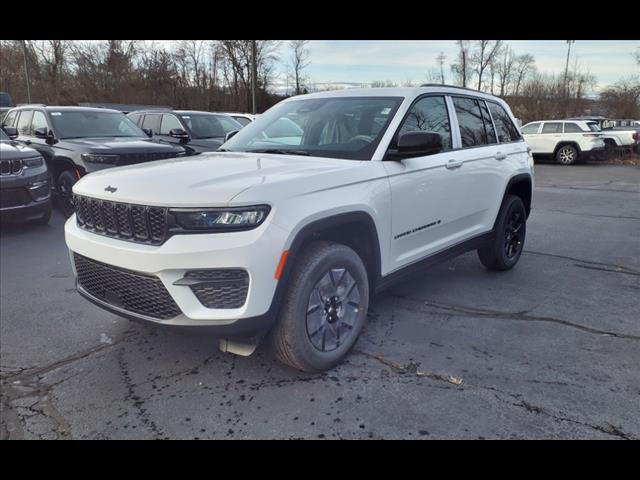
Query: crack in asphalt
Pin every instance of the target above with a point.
(567, 187)
(519, 316)
(618, 268)
(595, 215)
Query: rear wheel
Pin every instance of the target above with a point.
(324, 310)
(508, 242)
(567, 155)
(65, 184)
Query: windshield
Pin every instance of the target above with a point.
(593, 126)
(210, 126)
(336, 127)
(79, 124)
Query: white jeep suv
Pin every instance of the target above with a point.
(568, 141)
(289, 237)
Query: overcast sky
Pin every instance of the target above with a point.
(365, 61)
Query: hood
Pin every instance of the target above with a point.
(15, 151)
(214, 179)
(208, 143)
(121, 145)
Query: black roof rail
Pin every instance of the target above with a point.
(453, 86)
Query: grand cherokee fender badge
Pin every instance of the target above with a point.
(111, 189)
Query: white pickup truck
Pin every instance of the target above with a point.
(615, 136)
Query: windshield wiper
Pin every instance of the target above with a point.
(280, 151)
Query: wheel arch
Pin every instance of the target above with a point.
(520, 185)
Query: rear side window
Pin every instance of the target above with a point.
(594, 127)
(169, 122)
(472, 128)
(10, 118)
(488, 125)
(152, 122)
(552, 127)
(507, 131)
(572, 128)
(530, 129)
(24, 122)
(429, 114)
(39, 121)
(242, 120)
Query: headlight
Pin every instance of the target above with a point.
(100, 158)
(32, 162)
(181, 154)
(221, 219)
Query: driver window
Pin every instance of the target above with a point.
(429, 114)
(169, 122)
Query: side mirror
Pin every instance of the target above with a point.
(230, 134)
(148, 132)
(179, 134)
(11, 132)
(41, 132)
(418, 144)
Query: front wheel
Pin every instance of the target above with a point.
(324, 310)
(508, 242)
(66, 181)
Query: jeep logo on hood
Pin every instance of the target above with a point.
(111, 189)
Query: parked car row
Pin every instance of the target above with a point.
(75, 141)
(574, 140)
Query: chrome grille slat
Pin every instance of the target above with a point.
(136, 223)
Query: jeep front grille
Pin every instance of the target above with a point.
(126, 289)
(136, 223)
(222, 288)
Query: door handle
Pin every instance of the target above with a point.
(500, 156)
(453, 164)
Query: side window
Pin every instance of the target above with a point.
(552, 127)
(169, 122)
(24, 122)
(39, 121)
(10, 118)
(429, 114)
(135, 118)
(572, 128)
(152, 122)
(472, 129)
(488, 125)
(242, 120)
(507, 131)
(531, 129)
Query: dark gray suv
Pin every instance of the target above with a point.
(75, 141)
(24, 181)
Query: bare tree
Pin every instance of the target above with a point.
(299, 60)
(525, 65)
(483, 55)
(52, 55)
(441, 58)
(461, 68)
(622, 99)
(505, 69)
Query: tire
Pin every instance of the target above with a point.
(567, 155)
(65, 183)
(508, 242)
(46, 216)
(316, 329)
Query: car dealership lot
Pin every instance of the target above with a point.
(550, 349)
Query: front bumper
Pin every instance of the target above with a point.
(256, 251)
(26, 195)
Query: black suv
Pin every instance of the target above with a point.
(24, 181)
(194, 131)
(75, 141)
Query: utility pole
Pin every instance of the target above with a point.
(26, 70)
(566, 76)
(441, 58)
(254, 75)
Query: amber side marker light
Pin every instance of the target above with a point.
(283, 260)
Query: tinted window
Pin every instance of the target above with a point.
(152, 122)
(334, 127)
(488, 125)
(530, 129)
(209, 126)
(24, 122)
(88, 123)
(572, 128)
(507, 131)
(169, 122)
(429, 114)
(552, 127)
(39, 121)
(472, 129)
(242, 121)
(10, 118)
